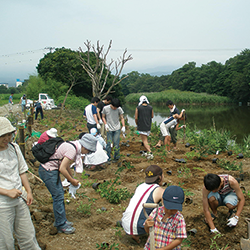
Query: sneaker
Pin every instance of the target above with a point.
(115, 160)
(150, 156)
(66, 229)
(69, 223)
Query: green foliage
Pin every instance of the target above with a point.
(209, 141)
(104, 246)
(178, 96)
(63, 65)
(4, 98)
(230, 80)
(228, 165)
(113, 194)
(214, 244)
(73, 102)
(84, 208)
(184, 172)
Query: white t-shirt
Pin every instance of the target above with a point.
(112, 117)
(12, 164)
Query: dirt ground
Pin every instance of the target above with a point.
(101, 226)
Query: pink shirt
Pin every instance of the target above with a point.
(43, 138)
(65, 150)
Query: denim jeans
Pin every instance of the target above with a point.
(113, 136)
(56, 189)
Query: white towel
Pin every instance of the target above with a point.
(72, 189)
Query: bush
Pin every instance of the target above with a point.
(73, 102)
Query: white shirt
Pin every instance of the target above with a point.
(12, 164)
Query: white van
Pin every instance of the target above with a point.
(46, 101)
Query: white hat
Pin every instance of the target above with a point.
(52, 132)
(93, 131)
(5, 126)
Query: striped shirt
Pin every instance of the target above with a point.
(168, 231)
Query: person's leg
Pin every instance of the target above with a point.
(144, 139)
(109, 141)
(167, 142)
(6, 228)
(23, 227)
(50, 178)
(36, 114)
(173, 134)
(214, 201)
(116, 140)
(231, 201)
(41, 112)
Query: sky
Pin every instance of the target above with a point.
(161, 35)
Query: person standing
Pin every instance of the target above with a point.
(15, 215)
(143, 119)
(106, 101)
(148, 192)
(23, 102)
(90, 113)
(11, 102)
(50, 171)
(111, 115)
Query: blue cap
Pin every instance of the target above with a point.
(173, 197)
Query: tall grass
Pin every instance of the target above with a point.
(178, 96)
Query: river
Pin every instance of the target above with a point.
(235, 119)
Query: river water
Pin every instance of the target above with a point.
(235, 119)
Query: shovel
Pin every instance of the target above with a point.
(245, 243)
(151, 229)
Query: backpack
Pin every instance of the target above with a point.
(43, 152)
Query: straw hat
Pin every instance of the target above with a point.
(52, 133)
(5, 126)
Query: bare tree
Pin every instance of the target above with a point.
(101, 69)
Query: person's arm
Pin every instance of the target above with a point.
(172, 245)
(12, 193)
(235, 185)
(178, 116)
(122, 120)
(98, 114)
(157, 194)
(136, 116)
(26, 185)
(206, 211)
(66, 171)
(148, 223)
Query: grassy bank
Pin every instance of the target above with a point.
(178, 96)
(4, 98)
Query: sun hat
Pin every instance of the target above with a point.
(143, 99)
(52, 133)
(89, 142)
(93, 131)
(5, 126)
(152, 173)
(173, 197)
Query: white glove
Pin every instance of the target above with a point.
(232, 222)
(107, 127)
(123, 130)
(183, 110)
(72, 189)
(98, 126)
(183, 126)
(100, 121)
(214, 231)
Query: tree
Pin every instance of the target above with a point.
(64, 66)
(100, 70)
